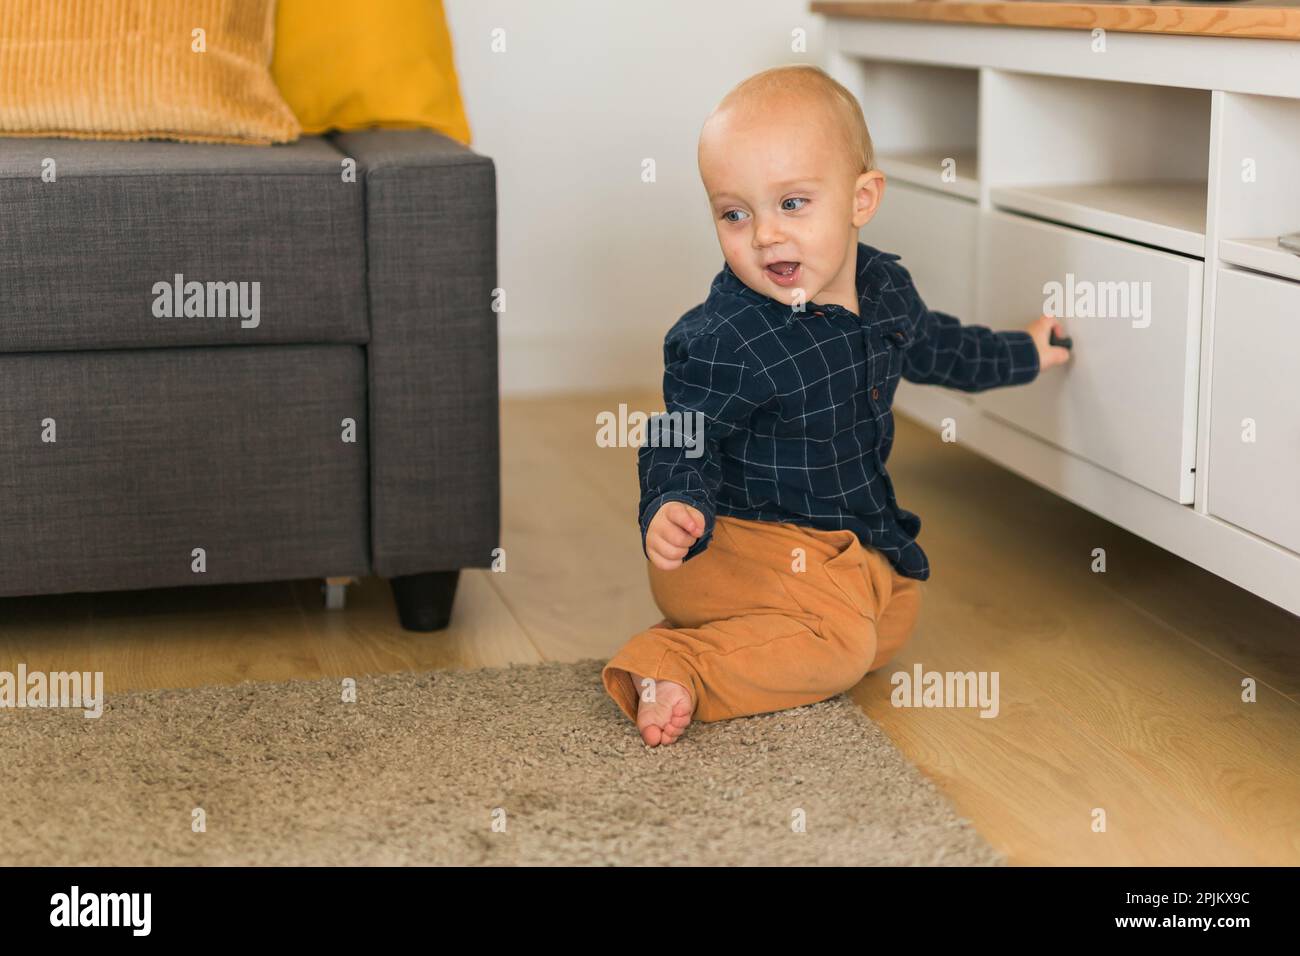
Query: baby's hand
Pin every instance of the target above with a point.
(674, 528)
(1048, 355)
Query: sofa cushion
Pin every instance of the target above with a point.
(117, 465)
(351, 66)
(149, 244)
(133, 69)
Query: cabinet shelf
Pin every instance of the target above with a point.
(925, 168)
(1261, 255)
(1257, 191)
(1167, 214)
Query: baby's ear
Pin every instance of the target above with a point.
(868, 192)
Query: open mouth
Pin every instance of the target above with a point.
(783, 273)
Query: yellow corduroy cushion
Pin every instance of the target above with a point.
(132, 69)
(346, 65)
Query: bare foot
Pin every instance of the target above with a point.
(664, 720)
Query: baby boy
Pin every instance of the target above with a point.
(782, 563)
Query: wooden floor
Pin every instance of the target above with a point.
(1119, 691)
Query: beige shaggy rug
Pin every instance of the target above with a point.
(518, 765)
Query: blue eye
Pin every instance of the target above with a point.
(729, 212)
(793, 199)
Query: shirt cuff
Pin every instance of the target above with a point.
(1022, 357)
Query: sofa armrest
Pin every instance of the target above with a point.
(430, 212)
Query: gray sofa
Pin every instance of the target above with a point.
(186, 332)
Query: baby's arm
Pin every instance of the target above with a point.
(709, 395)
(971, 358)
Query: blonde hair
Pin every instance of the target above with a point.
(805, 80)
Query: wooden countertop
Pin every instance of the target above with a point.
(1267, 19)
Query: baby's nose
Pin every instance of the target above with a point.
(768, 231)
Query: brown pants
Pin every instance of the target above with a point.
(749, 630)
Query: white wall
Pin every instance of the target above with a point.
(596, 264)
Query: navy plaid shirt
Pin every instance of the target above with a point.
(795, 406)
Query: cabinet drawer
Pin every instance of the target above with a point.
(1127, 398)
(935, 235)
(1255, 393)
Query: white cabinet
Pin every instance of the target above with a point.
(1157, 168)
(1127, 399)
(1255, 406)
(935, 235)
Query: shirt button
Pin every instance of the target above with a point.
(875, 393)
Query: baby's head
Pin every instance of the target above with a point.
(788, 166)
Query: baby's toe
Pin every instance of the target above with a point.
(652, 722)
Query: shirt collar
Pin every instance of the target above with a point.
(728, 282)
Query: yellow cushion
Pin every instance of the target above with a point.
(348, 65)
(131, 69)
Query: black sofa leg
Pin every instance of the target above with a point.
(424, 600)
